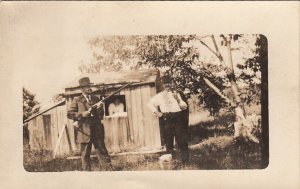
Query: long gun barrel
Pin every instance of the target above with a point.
(75, 124)
(98, 103)
(117, 91)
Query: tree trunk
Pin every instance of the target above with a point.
(214, 88)
(232, 79)
(239, 108)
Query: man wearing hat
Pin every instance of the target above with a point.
(171, 106)
(90, 128)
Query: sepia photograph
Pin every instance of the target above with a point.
(149, 94)
(155, 102)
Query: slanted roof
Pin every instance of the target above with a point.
(60, 103)
(114, 79)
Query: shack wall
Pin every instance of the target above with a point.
(144, 127)
(139, 130)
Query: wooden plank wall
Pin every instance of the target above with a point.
(139, 130)
(47, 129)
(37, 134)
(117, 133)
(143, 125)
(44, 135)
(71, 127)
(59, 120)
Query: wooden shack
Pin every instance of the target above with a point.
(135, 129)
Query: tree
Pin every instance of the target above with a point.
(206, 74)
(252, 71)
(113, 53)
(30, 107)
(172, 54)
(243, 126)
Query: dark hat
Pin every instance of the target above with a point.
(85, 81)
(165, 79)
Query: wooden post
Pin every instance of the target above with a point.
(59, 139)
(68, 137)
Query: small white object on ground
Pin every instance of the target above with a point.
(166, 158)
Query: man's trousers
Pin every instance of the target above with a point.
(175, 126)
(99, 145)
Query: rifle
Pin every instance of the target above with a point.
(101, 101)
(75, 124)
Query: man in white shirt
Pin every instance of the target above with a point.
(115, 107)
(171, 105)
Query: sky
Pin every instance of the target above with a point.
(48, 47)
(47, 41)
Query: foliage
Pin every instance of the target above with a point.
(112, 53)
(30, 105)
(180, 57)
(251, 71)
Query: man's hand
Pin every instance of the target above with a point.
(183, 106)
(180, 102)
(100, 106)
(158, 114)
(85, 114)
(75, 124)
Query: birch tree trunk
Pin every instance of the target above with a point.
(232, 79)
(241, 121)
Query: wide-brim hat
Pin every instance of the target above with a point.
(84, 82)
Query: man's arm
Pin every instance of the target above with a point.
(99, 110)
(181, 103)
(72, 112)
(153, 104)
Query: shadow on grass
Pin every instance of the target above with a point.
(42, 161)
(215, 153)
(225, 153)
(211, 148)
(211, 128)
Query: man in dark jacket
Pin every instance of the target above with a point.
(90, 128)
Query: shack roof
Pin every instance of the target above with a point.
(115, 78)
(136, 76)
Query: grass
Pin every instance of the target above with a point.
(211, 148)
(214, 153)
(224, 153)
